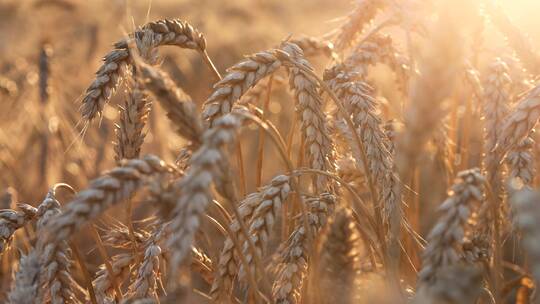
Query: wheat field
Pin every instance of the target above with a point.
(266, 151)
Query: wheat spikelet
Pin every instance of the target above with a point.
(391, 130)
(178, 105)
(11, 220)
(162, 32)
(363, 13)
(133, 116)
(26, 287)
(520, 121)
(293, 259)
(472, 80)
(309, 106)
(340, 255)
(349, 172)
(55, 268)
(449, 233)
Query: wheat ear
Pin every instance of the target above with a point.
(340, 255)
(520, 121)
(163, 32)
(55, 268)
(195, 188)
(26, 287)
(179, 106)
(355, 22)
(11, 220)
(357, 99)
(445, 240)
(133, 117)
(294, 257)
(527, 219)
(309, 107)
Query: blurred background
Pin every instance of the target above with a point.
(40, 138)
